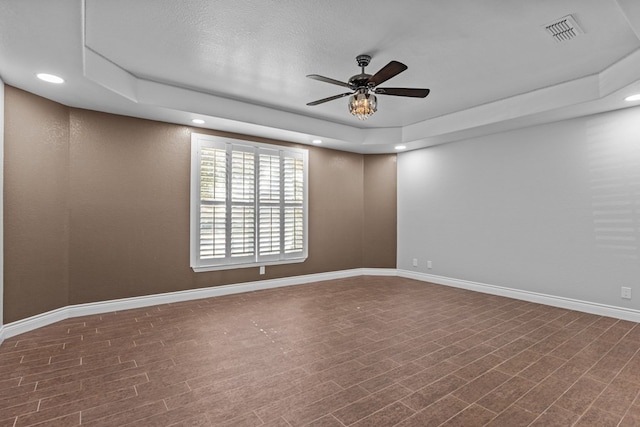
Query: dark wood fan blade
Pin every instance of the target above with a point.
(401, 91)
(331, 98)
(328, 80)
(392, 69)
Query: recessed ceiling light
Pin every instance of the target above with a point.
(632, 98)
(317, 141)
(198, 121)
(400, 147)
(50, 78)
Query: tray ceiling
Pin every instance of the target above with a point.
(241, 66)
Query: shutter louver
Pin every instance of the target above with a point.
(213, 175)
(293, 201)
(212, 232)
(293, 180)
(269, 194)
(269, 178)
(293, 230)
(242, 230)
(242, 177)
(242, 203)
(213, 183)
(269, 230)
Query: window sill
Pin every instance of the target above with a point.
(248, 265)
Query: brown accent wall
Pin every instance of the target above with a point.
(379, 238)
(36, 224)
(117, 203)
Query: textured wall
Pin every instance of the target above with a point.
(129, 207)
(380, 183)
(36, 226)
(117, 198)
(551, 209)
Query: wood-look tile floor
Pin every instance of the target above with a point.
(365, 351)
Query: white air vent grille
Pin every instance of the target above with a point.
(564, 29)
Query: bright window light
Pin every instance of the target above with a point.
(50, 78)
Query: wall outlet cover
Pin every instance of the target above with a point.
(625, 293)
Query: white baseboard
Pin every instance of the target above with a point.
(44, 319)
(552, 300)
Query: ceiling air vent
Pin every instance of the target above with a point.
(564, 29)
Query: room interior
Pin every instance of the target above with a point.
(517, 176)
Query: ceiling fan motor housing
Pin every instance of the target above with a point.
(361, 80)
(363, 60)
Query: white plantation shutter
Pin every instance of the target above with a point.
(213, 182)
(269, 205)
(248, 204)
(293, 224)
(242, 201)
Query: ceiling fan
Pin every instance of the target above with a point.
(363, 102)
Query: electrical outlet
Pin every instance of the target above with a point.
(262, 269)
(625, 293)
(415, 262)
(429, 265)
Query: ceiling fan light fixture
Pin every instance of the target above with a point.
(363, 104)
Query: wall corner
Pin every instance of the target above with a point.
(1, 203)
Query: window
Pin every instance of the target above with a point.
(248, 203)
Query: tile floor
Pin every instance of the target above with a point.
(366, 351)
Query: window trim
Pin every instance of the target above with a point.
(199, 140)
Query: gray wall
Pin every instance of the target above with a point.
(553, 209)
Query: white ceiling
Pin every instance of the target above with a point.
(241, 66)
